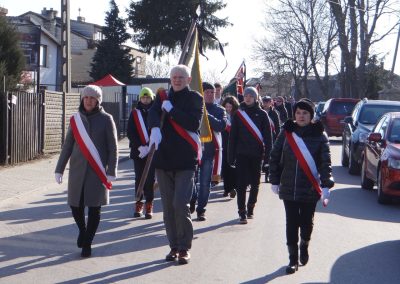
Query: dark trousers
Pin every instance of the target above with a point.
(299, 215)
(148, 189)
(249, 173)
(93, 221)
(229, 175)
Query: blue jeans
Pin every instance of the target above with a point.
(203, 192)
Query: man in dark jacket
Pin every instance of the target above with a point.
(275, 128)
(217, 119)
(176, 157)
(249, 139)
(281, 109)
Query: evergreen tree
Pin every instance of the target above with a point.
(111, 57)
(12, 59)
(162, 25)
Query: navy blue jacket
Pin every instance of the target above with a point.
(174, 152)
(217, 119)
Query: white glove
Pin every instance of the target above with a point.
(143, 151)
(325, 196)
(111, 178)
(155, 137)
(275, 188)
(58, 177)
(167, 106)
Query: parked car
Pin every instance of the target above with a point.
(335, 110)
(357, 127)
(318, 110)
(381, 158)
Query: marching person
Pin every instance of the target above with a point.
(281, 109)
(249, 140)
(138, 136)
(275, 128)
(231, 105)
(178, 152)
(300, 165)
(91, 147)
(218, 93)
(211, 161)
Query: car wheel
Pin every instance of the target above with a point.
(366, 183)
(382, 198)
(345, 158)
(354, 167)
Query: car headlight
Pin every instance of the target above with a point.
(394, 163)
(363, 137)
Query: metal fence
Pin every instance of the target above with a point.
(33, 124)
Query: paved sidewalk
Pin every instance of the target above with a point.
(39, 174)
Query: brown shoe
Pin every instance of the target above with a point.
(149, 210)
(184, 257)
(173, 254)
(138, 209)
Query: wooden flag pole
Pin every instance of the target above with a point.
(139, 191)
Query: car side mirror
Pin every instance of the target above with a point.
(348, 119)
(375, 137)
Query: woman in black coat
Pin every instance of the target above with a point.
(292, 184)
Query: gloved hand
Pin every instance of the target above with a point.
(275, 188)
(167, 106)
(155, 137)
(143, 151)
(58, 178)
(325, 196)
(111, 178)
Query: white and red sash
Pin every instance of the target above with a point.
(217, 141)
(88, 149)
(228, 126)
(189, 136)
(249, 124)
(305, 159)
(140, 126)
(271, 124)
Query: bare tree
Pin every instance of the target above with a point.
(302, 42)
(357, 21)
(158, 69)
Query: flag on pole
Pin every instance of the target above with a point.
(241, 79)
(192, 60)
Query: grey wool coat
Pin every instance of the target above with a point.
(101, 128)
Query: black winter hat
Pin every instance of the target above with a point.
(208, 86)
(305, 104)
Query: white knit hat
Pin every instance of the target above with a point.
(93, 91)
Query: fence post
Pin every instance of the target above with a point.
(4, 128)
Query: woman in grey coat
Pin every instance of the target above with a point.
(84, 185)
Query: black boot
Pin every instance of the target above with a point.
(92, 225)
(79, 216)
(293, 259)
(250, 211)
(304, 252)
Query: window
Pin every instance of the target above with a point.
(43, 55)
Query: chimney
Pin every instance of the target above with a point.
(49, 14)
(80, 19)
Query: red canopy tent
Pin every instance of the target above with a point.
(108, 81)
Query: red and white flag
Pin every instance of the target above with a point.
(240, 78)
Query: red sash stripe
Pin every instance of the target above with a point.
(251, 127)
(304, 164)
(144, 137)
(216, 139)
(100, 171)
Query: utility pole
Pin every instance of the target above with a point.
(65, 46)
(395, 56)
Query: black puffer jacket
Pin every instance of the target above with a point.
(242, 142)
(174, 152)
(285, 170)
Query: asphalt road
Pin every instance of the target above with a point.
(355, 240)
